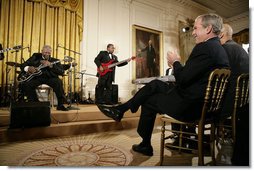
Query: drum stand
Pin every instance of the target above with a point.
(89, 100)
(69, 97)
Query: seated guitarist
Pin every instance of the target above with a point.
(105, 80)
(49, 75)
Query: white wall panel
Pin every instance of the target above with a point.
(111, 21)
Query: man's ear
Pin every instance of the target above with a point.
(221, 35)
(209, 29)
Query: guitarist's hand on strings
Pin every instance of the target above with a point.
(46, 63)
(32, 69)
(101, 69)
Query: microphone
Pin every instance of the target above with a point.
(16, 48)
(67, 59)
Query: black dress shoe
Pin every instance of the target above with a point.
(62, 108)
(111, 112)
(100, 102)
(146, 150)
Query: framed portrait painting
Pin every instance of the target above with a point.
(147, 47)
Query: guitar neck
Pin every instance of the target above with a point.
(44, 66)
(115, 64)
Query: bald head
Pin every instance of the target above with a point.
(226, 33)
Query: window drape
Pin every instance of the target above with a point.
(35, 23)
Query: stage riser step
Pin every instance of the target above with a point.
(68, 129)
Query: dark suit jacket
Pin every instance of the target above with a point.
(150, 56)
(103, 57)
(239, 63)
(35, 59)
(185, 100)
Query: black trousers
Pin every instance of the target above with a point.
(147, 97)
(29, 88)
(163, 98)
(104, 82)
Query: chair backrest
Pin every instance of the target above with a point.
(241, 98)
(242, 91)
(215, 91)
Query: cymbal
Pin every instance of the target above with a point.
(15, 64)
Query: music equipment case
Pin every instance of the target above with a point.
(29, 114)
(113, 97)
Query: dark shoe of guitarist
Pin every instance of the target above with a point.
(62, 108)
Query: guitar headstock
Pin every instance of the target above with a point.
(17, 47)
(133, 57)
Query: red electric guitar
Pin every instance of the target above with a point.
(110, 64)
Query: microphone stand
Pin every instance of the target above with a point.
(69, 100)
(70, 70)
(69, 50)
(14, 87)
(89, 100)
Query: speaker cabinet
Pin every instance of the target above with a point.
(30, 114)
(111, 97)
(114, 94)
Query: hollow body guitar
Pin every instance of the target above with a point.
(107, 66)
(25, 76)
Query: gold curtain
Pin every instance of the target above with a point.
(242, 37)
(35, 23)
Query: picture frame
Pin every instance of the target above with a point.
(149, 63)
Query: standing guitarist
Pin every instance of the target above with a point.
(51, 68)
(105, 80)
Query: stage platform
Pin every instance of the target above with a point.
(88, 119)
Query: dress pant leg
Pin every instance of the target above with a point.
(29, 89)
(57, 86)
(108, 93)
(100, 89)
(147, 91)
(146, 123)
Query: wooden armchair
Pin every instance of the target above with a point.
(215, 91)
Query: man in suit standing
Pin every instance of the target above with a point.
(49, 75)
(150, 58)
(105, 81)
(184, 99)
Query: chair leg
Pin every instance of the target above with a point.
(180, 138)
(212, 143)
(162, 143)
(200, 146)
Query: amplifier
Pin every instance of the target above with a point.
(30, 114)
(112, 97)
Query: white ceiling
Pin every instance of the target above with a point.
(226, 8)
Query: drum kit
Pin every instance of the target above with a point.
(13, 92)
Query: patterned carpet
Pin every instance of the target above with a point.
(111, 148)
(83, 150)
(78, 154)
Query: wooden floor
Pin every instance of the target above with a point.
(87, 119)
